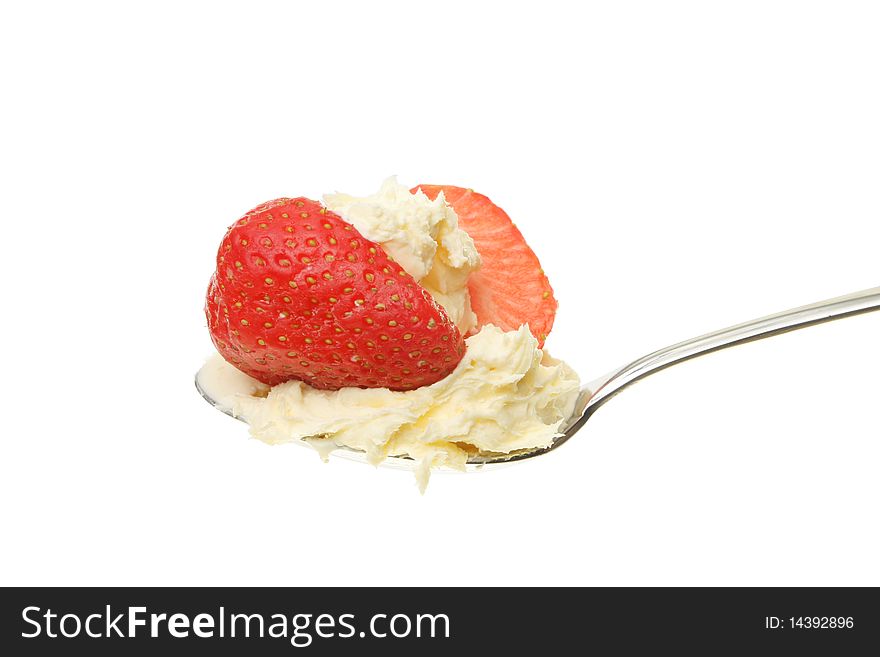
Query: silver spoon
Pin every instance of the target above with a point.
(597, 392)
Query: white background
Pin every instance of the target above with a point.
(678, 167)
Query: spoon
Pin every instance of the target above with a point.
(597, 392)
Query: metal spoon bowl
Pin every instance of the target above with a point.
(597, 392)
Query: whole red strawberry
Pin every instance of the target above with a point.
(300, 294)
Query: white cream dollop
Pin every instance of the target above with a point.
(423, 237)
(506, 395)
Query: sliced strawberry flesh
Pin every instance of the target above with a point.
(511, 288)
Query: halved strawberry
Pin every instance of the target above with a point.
(510, 289)
(300, 294)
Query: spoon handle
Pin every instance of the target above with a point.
(757, 329)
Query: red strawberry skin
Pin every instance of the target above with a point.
(300, 294)
(511, 288)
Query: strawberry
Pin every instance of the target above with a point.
(300, 294)
(510, 289)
